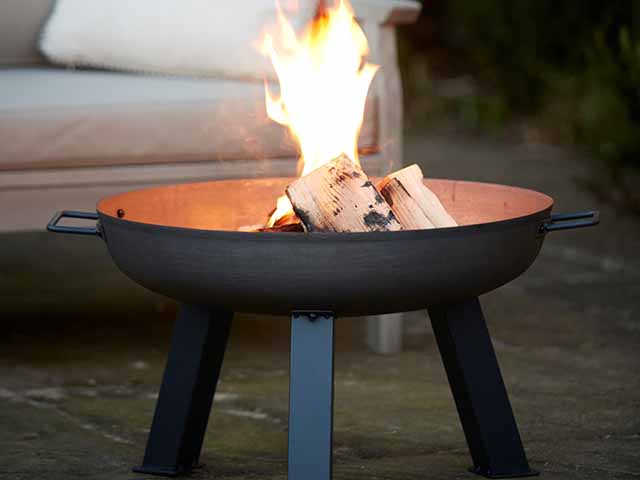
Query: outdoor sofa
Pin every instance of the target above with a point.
(71, 136)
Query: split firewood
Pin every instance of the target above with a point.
(413, 203)
(405, 208)
(339, 197)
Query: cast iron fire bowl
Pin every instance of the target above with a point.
(183, 241)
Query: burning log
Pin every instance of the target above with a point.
(414, 205)
(339, 197)
(287, 227)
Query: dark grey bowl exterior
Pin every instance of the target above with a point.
(350, 274)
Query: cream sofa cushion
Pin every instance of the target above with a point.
(183, 37)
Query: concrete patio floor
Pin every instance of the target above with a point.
(83, 350)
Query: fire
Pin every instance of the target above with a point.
(324, 81)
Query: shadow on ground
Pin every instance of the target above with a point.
(83, 352)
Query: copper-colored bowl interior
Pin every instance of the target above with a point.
(231, 204)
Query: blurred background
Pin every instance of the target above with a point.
(565, 73)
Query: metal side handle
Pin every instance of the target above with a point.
(566, 221)
(53, 226)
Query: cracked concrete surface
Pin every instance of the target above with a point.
(84, 348)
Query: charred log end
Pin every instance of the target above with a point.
(305, 218)
(377, 221)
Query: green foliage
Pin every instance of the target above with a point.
(573, 65)
(608, 122)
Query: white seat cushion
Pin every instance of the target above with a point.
(62, 118)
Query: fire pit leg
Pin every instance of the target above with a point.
(311, 396)
(479, 391)
(188, 386)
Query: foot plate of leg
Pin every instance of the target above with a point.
(480, 471)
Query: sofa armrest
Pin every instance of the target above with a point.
(387, 12)
(379, 19)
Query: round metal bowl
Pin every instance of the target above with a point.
(183, 241)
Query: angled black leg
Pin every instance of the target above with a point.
(479, 391)
(311, 396)
(188, 386)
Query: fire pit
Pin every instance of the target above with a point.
(183, 241)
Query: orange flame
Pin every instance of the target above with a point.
(324, 82)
